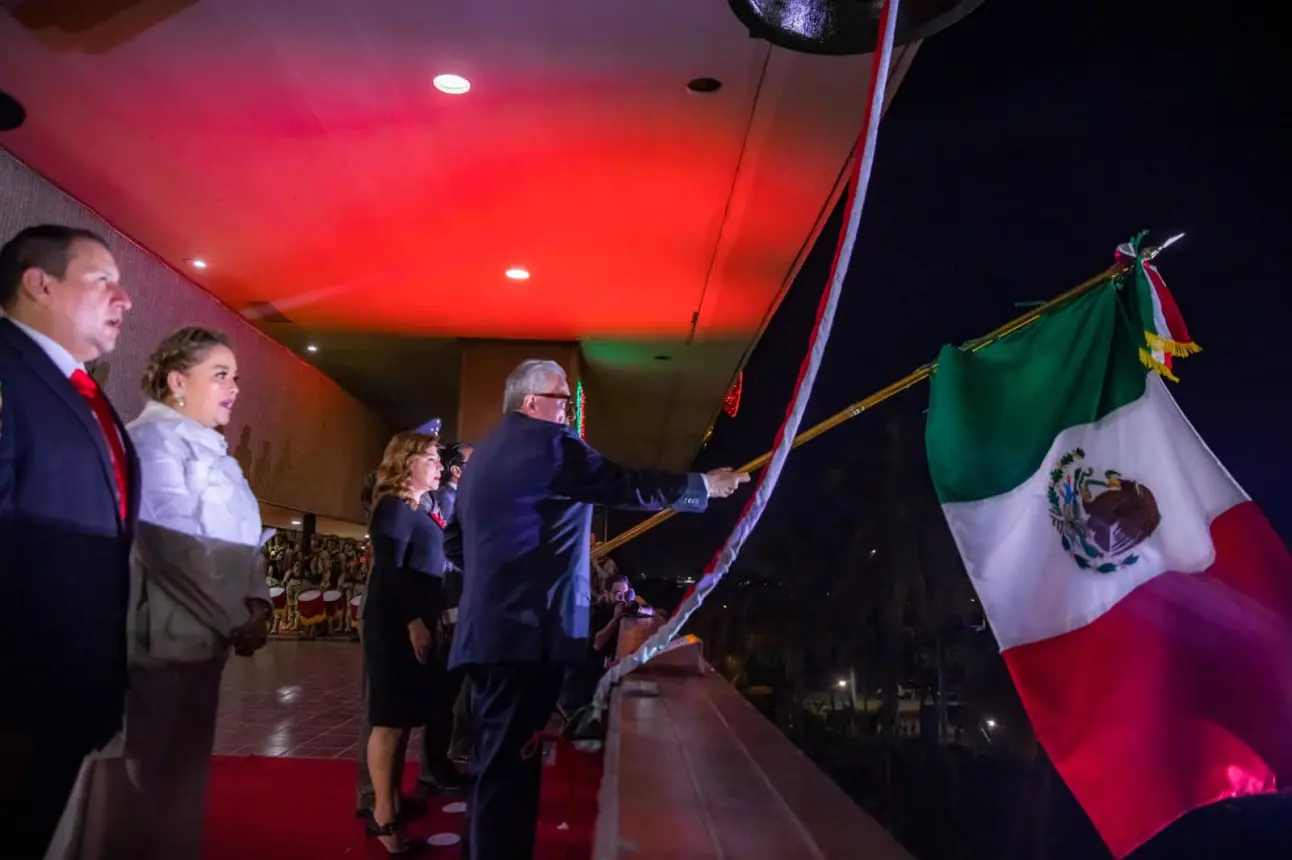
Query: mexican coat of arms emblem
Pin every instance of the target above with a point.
(1099, 521)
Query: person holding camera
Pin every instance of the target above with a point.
(606, 615)
(619, 602)
(609, 608)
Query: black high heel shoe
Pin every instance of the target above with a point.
(391, 837)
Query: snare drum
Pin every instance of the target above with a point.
(312, 609)
(278, 599)
(355, 602)
(332, 604)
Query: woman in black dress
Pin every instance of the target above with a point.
(402, 631)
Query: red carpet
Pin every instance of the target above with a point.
(303, 809)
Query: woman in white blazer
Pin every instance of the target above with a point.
(198, 590)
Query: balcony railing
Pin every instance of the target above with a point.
(693, 770)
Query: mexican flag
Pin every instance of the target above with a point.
(1141, 601)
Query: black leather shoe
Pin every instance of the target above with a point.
(451, 781)
(447, 781)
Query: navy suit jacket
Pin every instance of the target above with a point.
(522, 534)
(64, 553)
(446, 498)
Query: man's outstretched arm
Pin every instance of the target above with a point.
(583, 474)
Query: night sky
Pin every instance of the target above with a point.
(1025, 144)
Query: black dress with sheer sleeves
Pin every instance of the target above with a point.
(407, 582)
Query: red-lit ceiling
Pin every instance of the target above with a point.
(299, 147)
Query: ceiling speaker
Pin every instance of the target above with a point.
(11, 112)
(839, 27)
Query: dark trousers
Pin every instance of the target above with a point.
(37, 775)
(509, 703)
(460, 743)
(437, 734)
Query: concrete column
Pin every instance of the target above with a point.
(485, 366)
(308, 525)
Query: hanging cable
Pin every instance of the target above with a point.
(723, 559)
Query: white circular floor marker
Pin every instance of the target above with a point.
(443, 839)
(456, 806)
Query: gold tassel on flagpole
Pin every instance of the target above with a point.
(1146, 358)
(1174, 348)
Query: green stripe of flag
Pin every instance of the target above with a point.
(994, 414)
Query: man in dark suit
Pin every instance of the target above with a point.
(460, 737)
(446, 497)
(522, 536)
(442, 736)
(69, 491)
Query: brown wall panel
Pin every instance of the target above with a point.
(485, 365)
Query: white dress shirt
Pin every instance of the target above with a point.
(197, 556)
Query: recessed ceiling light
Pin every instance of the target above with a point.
(516, 273)
(454, 85)
(197, 264)
(296, 522)
(311, 348)
(704, 85)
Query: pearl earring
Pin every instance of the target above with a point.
(179, 401)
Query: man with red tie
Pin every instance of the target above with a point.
(69, 482)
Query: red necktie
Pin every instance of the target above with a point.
(103, 412)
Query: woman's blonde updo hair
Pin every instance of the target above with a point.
(181, 351)
(396, 468)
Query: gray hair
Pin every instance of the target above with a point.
(530, 377)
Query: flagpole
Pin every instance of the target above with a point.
(913, 378)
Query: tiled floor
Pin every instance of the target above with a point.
(302, 700)
(299, 699)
